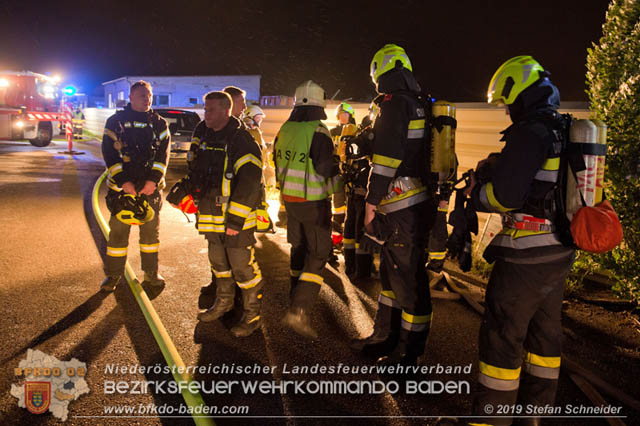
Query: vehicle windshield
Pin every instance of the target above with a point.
(46, 88)
(185, 121)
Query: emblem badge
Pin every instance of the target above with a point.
(37, 396)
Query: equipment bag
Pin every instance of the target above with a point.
(593, 228)
(596, 229)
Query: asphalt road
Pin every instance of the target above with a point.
(51, 267)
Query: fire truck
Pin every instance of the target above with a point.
(29, 107)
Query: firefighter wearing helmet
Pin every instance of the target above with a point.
(358, 260)
(345, 116)
(521, 334)
(135, 148)
(398, 211)
(307, 175)
(253, 117)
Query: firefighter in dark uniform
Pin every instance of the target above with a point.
(238, 105)
(358, 260)
(521, 333)
(345, 115)
(307, 173)
(398, 212)
(225, 166)
(135, 147)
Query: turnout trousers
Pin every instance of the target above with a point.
(117, 246)
(520, 336)
(233, 262)
(438, 236)
(357, 260)
(404, 304)
(309, 233)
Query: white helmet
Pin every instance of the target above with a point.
(309, 93)
(252, 111)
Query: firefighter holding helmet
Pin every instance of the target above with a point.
(521, 333)
(135, 147)
(306, 171)
(398, 212)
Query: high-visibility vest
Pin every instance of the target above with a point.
(296, 175)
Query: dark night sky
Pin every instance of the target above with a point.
(455, 46)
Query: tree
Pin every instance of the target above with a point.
(613, 80)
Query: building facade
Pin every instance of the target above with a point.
(179, 91)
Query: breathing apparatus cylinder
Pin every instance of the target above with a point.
(443, 141)
(584, 187)
(602, 140)
(347, 130)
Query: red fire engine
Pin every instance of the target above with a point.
(29, 107)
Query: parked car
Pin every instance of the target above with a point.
(181, 125)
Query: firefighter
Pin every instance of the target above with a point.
(398, 212)
(237, 109)
(521, 334)
(135, 147)
(253, 116)
(307, 173)
(225, 165)
(239, 102)
(358, 260)
(345, 114)
(78, 123)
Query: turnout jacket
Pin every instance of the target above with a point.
(400, 148)
(135, 148)
(522, 181)
(321, 149)
(234, 169)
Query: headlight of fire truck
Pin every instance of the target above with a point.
(48, 91)
(4, 82)
(19, 124)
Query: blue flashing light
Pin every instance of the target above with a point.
(69, 91)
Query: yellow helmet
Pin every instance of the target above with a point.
(344, 107)
(385, 60)
(310, 94)
(133, 210)
(512, 78)
(252, 111)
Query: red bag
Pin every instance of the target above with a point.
(596, 229)
(187, 204)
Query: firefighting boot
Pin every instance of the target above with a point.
(225, 292)
(250, 321)
(350, 262)
(109, 283)
(299, 320)
(405, 352)
(153, 279)
(385, 334)
(209, 290)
